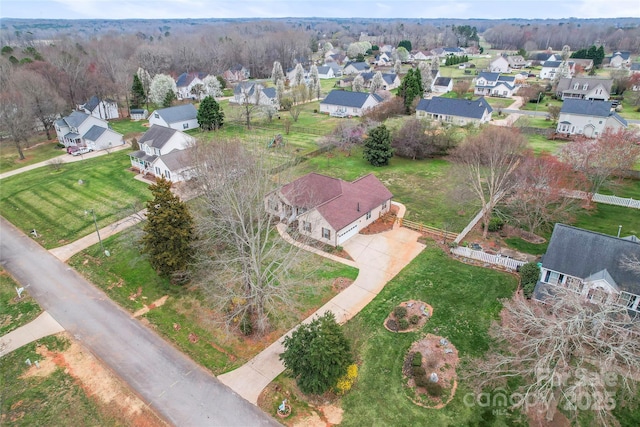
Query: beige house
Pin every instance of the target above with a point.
(328, 209)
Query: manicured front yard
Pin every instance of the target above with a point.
(465, 301)
(53, 202)
(127, 277)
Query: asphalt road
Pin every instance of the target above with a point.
(178, 389)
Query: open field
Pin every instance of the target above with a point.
(53, 202)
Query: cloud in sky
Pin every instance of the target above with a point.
(158, 9)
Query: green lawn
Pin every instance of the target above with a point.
(126, 272)
(629, 111)
(9, 159)
(54, 202)
(128, 128)
(465, 301)
(14, 312)
(543, 106)
(540, 144)
(499, 103)
(422, 185)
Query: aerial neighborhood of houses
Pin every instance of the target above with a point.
(513, 170)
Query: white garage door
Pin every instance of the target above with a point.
(347, 233)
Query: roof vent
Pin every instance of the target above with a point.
(358, 208)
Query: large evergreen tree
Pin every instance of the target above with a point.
(168, 231)
(377, 146)
(411, 88)
(138, 95)
(210, 116)
(317, 354)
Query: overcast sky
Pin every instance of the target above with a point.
(154, 9)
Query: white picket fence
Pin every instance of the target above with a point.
(509, 263)
(615, 200)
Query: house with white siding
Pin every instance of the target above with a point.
(105, 109)
(254, 93)
(341, 103)
(500, 65)
(180, 117)
(455, 111)
(495, 84)
(187, 85)
(590, 88)
(86, 131)
(164, 152)
(589, 264)
(588, 118)
(328, 209)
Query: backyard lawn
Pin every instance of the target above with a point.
(128, 279)
(129, 128)
(422, 185)
(53, 202)
(9, 159)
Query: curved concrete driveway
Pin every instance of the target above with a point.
(177, 388)
(379, 257)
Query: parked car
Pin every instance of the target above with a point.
(72, 149)
(83, 150)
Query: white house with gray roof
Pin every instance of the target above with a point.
(180, 117)
(455, 111)
(495, 84)
(254, 93)
(325, 72)
(341, 103)
(355, 68)
(83, 130)
(589, 263)
(550, 69)
(163, 153)
(590, 88)
(588, 118)
(105, 109)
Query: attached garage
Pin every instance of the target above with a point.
(347, 233)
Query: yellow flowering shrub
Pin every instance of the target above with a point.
(346, 381)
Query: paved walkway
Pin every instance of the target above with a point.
(510, 119)
(63, 253)
(379, 257)
(40, 327)
(65, 158)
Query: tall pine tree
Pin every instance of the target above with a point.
(210, 116)
(168, 232)
(138, 96)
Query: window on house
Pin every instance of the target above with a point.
(384, 205)
(185, 126)
(628, 300)
(575, 284)
(448, 119)
(156, 115)
(585, 86)
(306, 226)
(167, 175)
(368, 216)
(576, 86)
(552, 277)
(326, 233)
(158, 172)
(597, 295)
(273, 204)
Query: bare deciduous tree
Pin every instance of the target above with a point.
(486, 163)
(567, 350)
(15, 119)
(41, 100)
(244, 265)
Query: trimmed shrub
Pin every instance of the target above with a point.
(419, 371)
(434, 389)
(403, 324)
(414, 319)
(400, 312)
(495, 224)
(417, 359)
(421, 381)
(529, 274)
(392, 325)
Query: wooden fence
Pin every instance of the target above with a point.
(510, 263)
(615, 200)
(431, 231)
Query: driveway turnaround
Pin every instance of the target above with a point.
(379, 257)
(179, 390)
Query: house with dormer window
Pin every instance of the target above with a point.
(590, 88)
(591, 264)
(495, 84)
(163, 153)
(588, 118)
(86, 131)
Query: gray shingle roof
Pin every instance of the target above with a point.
(324, 69)
(624, 55)
(473, 109)
(76, 118)
(185, 79)
(586, 107)
(348, 99)
(360, 66)
(179, 113)
(551, 64)
(583, 253)
(157, 136)
(92, 103)
(442, 81)
(269, 92)
(566, 84)
(94, 133)
(176, 160)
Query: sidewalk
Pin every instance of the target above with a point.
(40, 327)
(63, 253)
(379, 257)
(65, 158)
